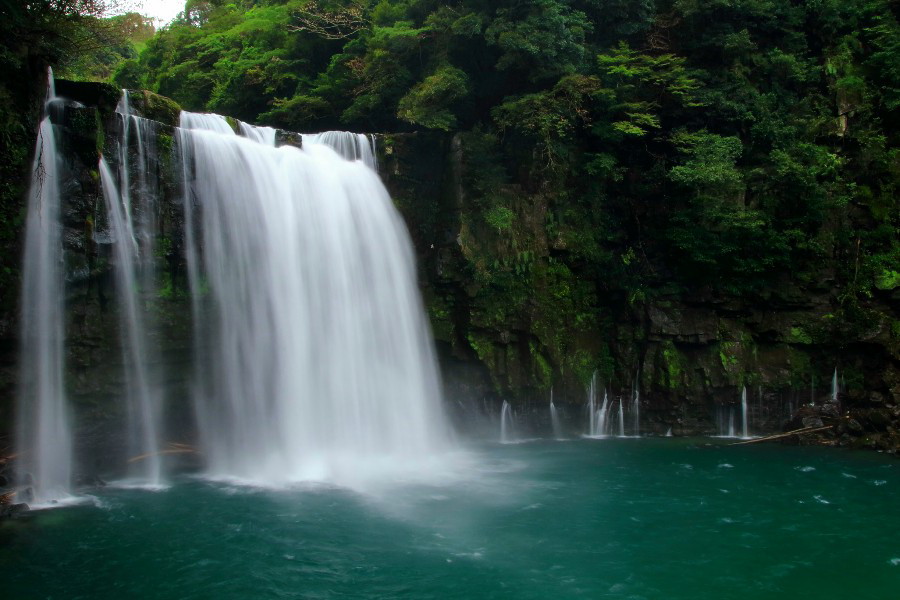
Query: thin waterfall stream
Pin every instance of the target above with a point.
(44, 428)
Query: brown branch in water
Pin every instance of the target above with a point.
(779, 436)
(171, 448)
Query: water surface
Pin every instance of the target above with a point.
(580, 519)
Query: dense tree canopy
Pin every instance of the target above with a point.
(681, 146)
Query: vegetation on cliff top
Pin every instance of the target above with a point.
(617, 151)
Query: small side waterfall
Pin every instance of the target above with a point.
(142, 397)
(835, 389)
(44, 431)
(507, 430)
(636, 408)
(744, 412)
(352, 146)
(554, 419)
(260, 135)
(602, 416)
(131, 204)
(621, 418)
(592, 406)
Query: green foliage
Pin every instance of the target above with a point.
(499, 218)
(429, 102)
(541, 38)
(607, 152)
(709, 167)
(673, 363)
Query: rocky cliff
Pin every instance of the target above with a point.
(515, 312)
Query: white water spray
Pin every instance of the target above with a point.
(131, 204)
(554, 419)
(352, 146)
(834, 387)
(142, 396)
(320, 361)
(744, 412)
(507, 432)
(44, 432)
(636, 407)
(621, 418)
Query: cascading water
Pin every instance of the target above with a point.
(319, 362)
(142, 396)
(602, 415)
(260, 135)
(554, 419)
(636, 408)
(592, 406)
(131, 209)
(621, 418)
(352, 146)
(44, 432)
(834, 387)
(507, 432)
(744, 412)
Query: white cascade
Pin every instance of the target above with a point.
(352, 146)
(554, 418)
(507, 431)
(636, 408)
(744, 423)
(592, 406)
(602, 415)
(143, 401)
(44, 434)
(319, 363)
(131, 203)
(261, 135)
(835, 389)
(621, 418)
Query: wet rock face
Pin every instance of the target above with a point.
(513, 314)
(689, 354)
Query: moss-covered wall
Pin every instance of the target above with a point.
(515, 310)
(505, 294)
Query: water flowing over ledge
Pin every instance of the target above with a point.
(312, 356)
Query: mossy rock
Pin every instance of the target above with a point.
(155, 107)
(288, 138)
(104, 96)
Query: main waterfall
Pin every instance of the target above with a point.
(315, 361)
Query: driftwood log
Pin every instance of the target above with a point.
(779, 436)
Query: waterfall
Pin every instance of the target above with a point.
(554, 419)
(507, 432)
(636, 407)
(744, 412)
(260, 135)
(834, 386)
(731, 422)
(143, 402)
(44, 432)
(131, 209)
(592, 425)
(352, 146)
(319, 360)
(621, 418)
(602, 415)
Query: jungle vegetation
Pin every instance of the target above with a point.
(725, 148)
